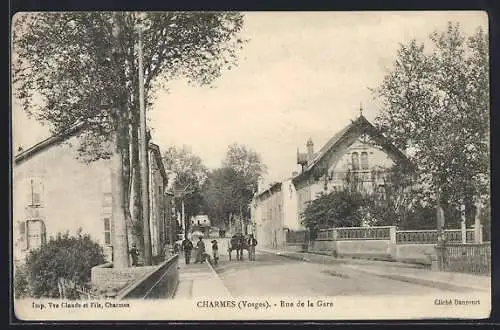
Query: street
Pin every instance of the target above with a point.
(271, 274)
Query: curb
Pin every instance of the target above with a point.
(420, 281)
(397, 277)
(346, 261)
(286, 255)
(220, 279)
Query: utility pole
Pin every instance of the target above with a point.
(478, 232)
(183, 218)
(120, 241)
(182, 193)
(143, 153)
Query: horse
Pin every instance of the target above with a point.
(237, 243)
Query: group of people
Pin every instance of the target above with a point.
(201, 254)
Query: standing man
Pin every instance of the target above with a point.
(134, 253)
(252, 242)
(187, 247)
(200, 250)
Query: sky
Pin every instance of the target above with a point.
(301, 75)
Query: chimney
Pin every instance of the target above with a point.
(310, 150)
(260, 184)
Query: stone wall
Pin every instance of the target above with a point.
(160, 283)
(105, 278)
(415, 253)
(357, 248)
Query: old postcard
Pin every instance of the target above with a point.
(250, 166)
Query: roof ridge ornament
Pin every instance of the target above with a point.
(361, 109)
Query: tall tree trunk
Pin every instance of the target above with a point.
(127, 178)
(136, 193)
(136, 184)
(144, 154)
(120, 242)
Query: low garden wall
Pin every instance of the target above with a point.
(354, 248)
(108, 281)
(385, 243)
(419, 253)
(373, 242)
(159, 283)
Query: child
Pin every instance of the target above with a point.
(215, 251)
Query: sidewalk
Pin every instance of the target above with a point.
(199, 280)
(397, 271)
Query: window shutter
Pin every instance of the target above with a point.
(43, 232)
(22, 228)
(22, 235)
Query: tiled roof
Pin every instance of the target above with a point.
(67, 134)
(365, 126)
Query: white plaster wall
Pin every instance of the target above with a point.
(72, 192)
(377, 158)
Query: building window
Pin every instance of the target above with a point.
(107, 199)
(22, 228)
(36, 235)
(107, 231)
(355, 161)
(364, 160)
(35, 197)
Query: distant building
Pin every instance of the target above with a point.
(359, 149)
(54, 192)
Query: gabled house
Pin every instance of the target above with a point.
(54, 192)
(359, 149)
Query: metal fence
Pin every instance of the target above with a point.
(431, 236)
(298, 237)
(465, 258)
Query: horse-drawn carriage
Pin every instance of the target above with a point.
(237, 243)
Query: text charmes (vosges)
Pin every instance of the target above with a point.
(449, 301)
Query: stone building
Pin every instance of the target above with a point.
(54, 192)
(359, 149)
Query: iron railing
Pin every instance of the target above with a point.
(298, 237)
(355, 233)
(465, 258)
(431, 236)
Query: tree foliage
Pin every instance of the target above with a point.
(224, 193)
(436, 101)
(394, 195)
(231, 188)
(82, 67)
(337, 209)
(246, 162)
(247, 165)
(392, 199)
(70, 258)
(65, 68)
(191, 175)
